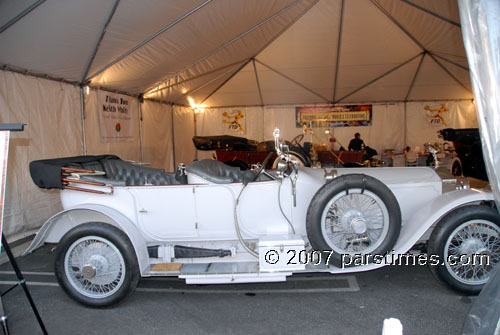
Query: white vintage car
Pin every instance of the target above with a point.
(210, 223)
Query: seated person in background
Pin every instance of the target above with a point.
(356, 143)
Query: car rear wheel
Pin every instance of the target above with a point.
(353, 215)
(96, 265)
(467, 242)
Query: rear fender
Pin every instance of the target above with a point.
(58, 225)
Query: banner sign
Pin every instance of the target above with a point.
(334, 116)
(234, 122)
(116, 116)
(4, 154)
(434, 115)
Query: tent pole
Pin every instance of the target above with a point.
(161, 31)
(405, 127)
(379, 77)
(450, 61)
(214, 80)
(234, 39)
(195, 134)
(403, 29)
(339, 44)
(140, 101)
(415, 77)
(173, 134)
(449, 73)
(82, 116)
(99, 40)
(20, 15)
(155, 90)
(432, 13)
(258, 82)
(225, 81)
(293, 81)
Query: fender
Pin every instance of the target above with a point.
(415, 228)
(54, 228)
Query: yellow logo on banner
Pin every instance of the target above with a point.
(233, 120)
(434, 114)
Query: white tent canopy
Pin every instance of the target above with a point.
(227, 52)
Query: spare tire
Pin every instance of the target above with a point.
(354, 215)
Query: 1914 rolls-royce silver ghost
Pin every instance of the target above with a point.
(211, 223)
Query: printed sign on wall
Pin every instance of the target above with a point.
(435, 115)
(116, 112)
(234, 122)
(334, 116)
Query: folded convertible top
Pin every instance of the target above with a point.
(47, 173)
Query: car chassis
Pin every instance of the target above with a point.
(210, 223)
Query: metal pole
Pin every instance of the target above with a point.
(22, 282)
(173, 134)
(21, 15)
(194, 121)
(161, 31)
(140, 101)
(405, 127)
(82, 116)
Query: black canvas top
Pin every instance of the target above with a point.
(47, 173)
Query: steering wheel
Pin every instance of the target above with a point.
(296, 140)
(263, 166)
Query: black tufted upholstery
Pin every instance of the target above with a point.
(133, 175)
(218, 172)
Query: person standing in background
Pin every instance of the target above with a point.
(356, 143)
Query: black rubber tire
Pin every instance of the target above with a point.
(120, 240)
(340, 185)
(441, 233)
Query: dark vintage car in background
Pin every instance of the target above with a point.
(242, 152)
(467, 144)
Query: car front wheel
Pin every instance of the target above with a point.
(95, 265)
(467, 242)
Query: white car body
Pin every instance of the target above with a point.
(201, 214)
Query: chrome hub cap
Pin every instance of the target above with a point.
(94, 267)
(357, 222)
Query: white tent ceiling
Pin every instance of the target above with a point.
(243, 52)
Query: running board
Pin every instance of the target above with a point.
(227, 273)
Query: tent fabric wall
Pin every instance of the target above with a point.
(421, 131)
(184, 131)
(386, 132)
(157, 145)
(52, 113)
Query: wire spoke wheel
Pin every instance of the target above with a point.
(94, 267)
(95, 263)
(354, 214)
(472, 250)
(467, 240)
(356, 222)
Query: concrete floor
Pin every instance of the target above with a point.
(306, 304)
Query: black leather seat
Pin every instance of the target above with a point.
(134, 175)
(218, 172)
